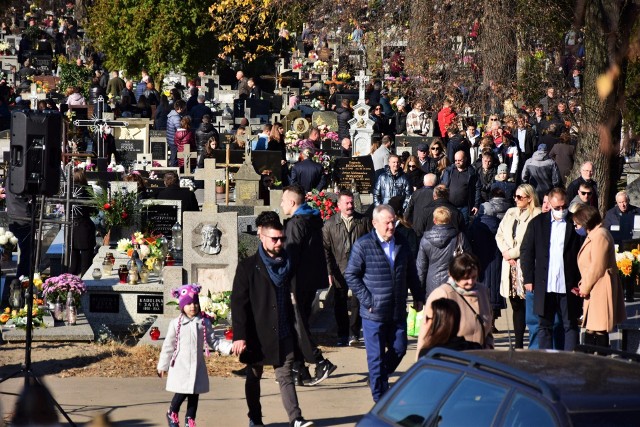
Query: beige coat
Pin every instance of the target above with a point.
(506, 242)
(470, 329)
(604, 306)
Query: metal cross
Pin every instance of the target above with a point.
(97, 125)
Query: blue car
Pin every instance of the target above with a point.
(506, 388)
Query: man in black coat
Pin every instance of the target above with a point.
(420, 199)
(173, 191)
(344, 115)
(308, 267)
(265, 322)
(586, 176)
(424, 221)
(549, 259)
(308, 174)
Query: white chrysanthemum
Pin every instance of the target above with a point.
(2, 230)
(14, 240)
(144, 251)
(4, 240)
(9, 234)
(629, 255)
(123, 245)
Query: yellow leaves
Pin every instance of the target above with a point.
(605, 82)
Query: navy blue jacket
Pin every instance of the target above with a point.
(381, 290)
(309, 175)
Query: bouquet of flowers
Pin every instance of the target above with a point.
(628, 262)
(149, 247)
(59, 286)
(316, 103)
(344, 76)
(8, 241)
(319, 200)
(118, 208)
(325, 160)
(292, 140)
(18, 318)
(333, 136)
(4, 46)
(320, 65)
(216, 305)
(187, 183)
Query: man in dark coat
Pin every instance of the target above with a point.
(424, 221)
(619, 219)
(308, 268)
(308, 174)
(344, 115)
(265, 327)
(420, 199)
(586, 176)
(173, 191)
(380, 270)
(339, 234)
(548, 255)
(464, 186)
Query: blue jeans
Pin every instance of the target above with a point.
(173, 156)
(532, 325)
(465, 214)
(386, 345)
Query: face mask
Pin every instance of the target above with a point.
(581, 231)
(559, 214)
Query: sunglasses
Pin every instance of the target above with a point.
(435, 148)
(520, 197)
(276, 239)
(412, 166)
(493, 119)
(585, 193)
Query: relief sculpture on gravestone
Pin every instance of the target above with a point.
(211, 238)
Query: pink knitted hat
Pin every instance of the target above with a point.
(186, 294)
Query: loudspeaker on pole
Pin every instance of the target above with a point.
(35, 150)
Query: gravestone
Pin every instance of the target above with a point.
(188, 158)
(210, 174)
(410, 143)
(136, 130)
(247, 184)
(361, 130)
(264, 160)
(210, 254)
(301, 127)
(328, 118)
(287, 121)
(158, 146)
(129, 150)
(143, 161)
(355, 170)
(158, 216)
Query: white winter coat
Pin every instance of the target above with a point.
(189, 374)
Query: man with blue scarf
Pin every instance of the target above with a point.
(308, 270)
(265, 326)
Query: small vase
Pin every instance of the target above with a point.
(97, 274)
(144, 275)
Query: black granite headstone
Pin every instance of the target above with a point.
(104, 303)
(129, 149)
(150, 304)
(358, 170)
(159, 219)
(267, 160)
(158, 150)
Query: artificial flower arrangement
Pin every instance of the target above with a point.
(4, 47)
(333, 136)
(319, 200)
(87, 166)
(42, 87)
(323, 129)
(317, 104)
(187, 183)
(320, 65)
(628, 262)
(325, 160)
(149, 247)
(18, 318)
(118, 208)
(8, 240)
(37, 281)
(344, 76)
(59, 287)
(292, 140)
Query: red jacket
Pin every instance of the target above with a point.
(445, 118)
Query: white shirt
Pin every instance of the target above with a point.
(388, 248)
(522, 133)
(555, 277)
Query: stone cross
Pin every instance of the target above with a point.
(211, 175)
(143, 160)
(185, 154)
(362, 80)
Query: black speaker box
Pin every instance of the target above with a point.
(35, 146)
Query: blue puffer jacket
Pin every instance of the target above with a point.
(173, 123)
(382, 292)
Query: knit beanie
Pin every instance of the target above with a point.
(186, 294)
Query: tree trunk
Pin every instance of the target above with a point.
(498, 43)
(608, 24)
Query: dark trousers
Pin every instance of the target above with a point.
(557, 304)
(173, 155)
(81, 261)
(305, 305)
(23, 234)
(386, 345)
(285, 381)
(348, 324)
(532, 325)
(518, 306)
(192, 404)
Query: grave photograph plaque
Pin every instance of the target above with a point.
(158, 150)
(355, 169)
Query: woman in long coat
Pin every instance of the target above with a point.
(509, 238)
(600, 287)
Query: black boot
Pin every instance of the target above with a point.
(602, 340)
(589, 338)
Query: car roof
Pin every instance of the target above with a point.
(583, 382)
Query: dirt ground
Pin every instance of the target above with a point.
(96, 360)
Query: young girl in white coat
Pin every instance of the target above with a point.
(182, 355)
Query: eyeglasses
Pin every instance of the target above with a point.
(435, 148)
(276, 238)
(377, 108)
(412, 166)
(520, 197)
(585, 193)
